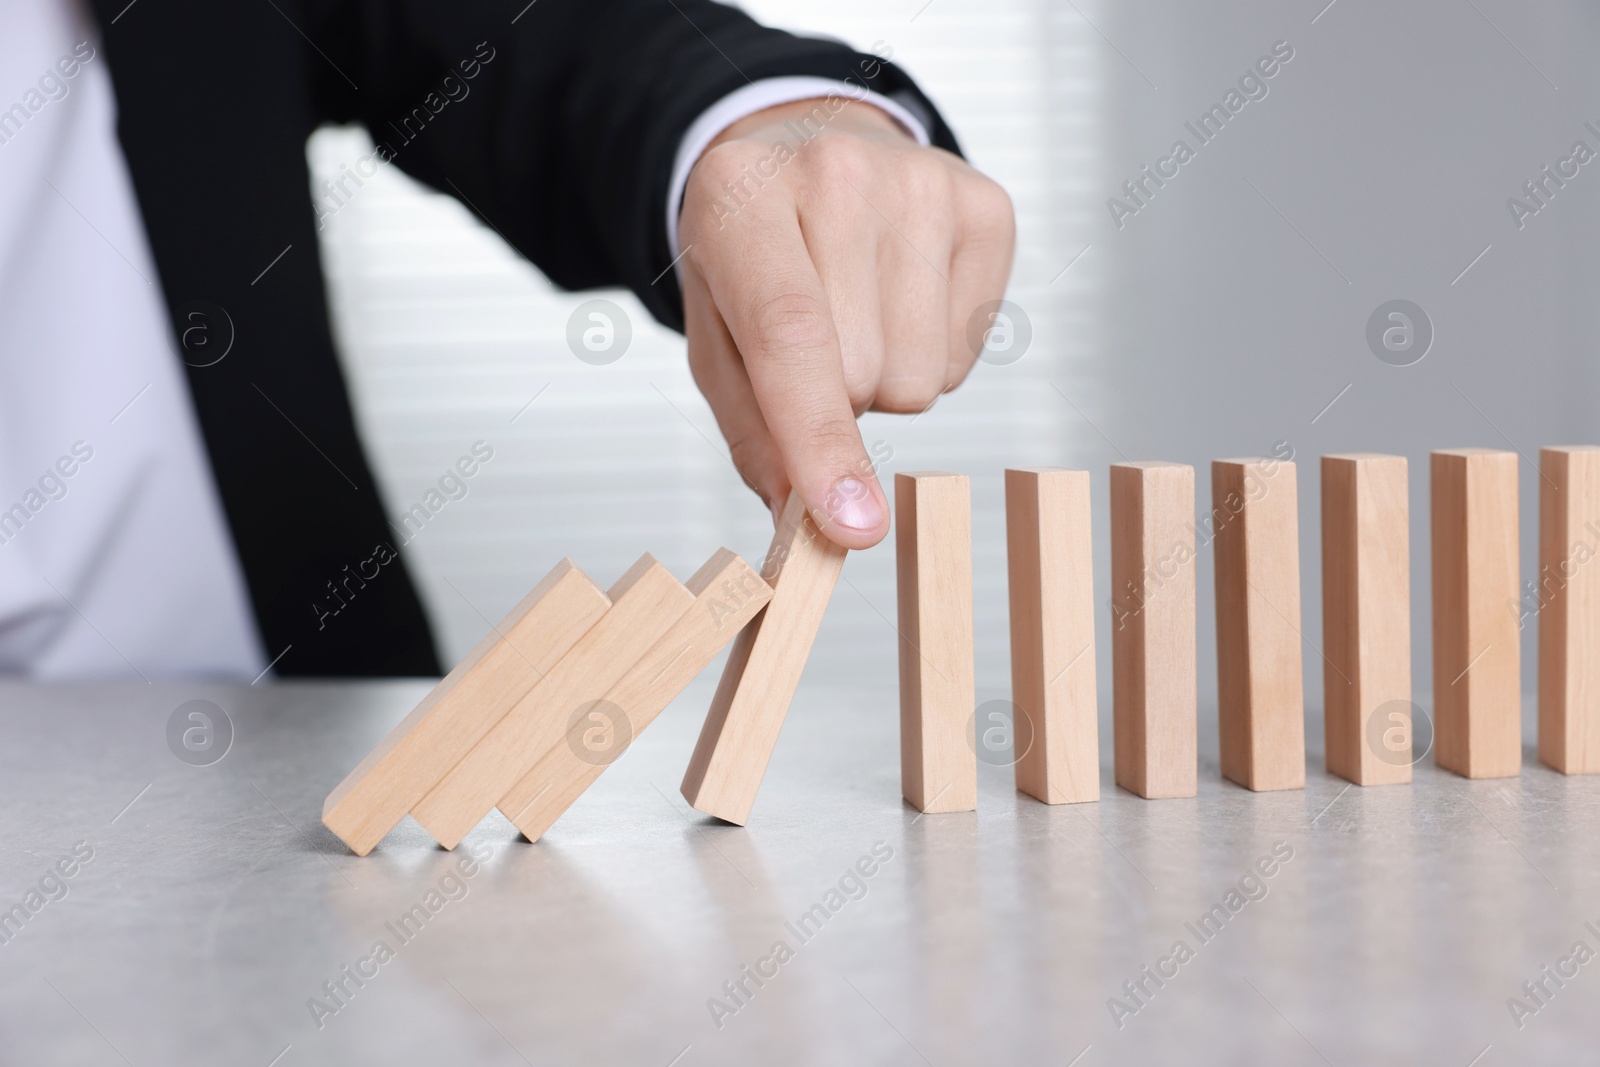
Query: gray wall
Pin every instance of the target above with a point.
(1387, 148)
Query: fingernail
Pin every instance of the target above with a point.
(850, 503)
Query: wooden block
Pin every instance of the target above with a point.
(645, 603)
(763, 670)
(1153, 629)
(463, 707)
(727, 595)
(1477, 682)
(1050, 580)
(1255, 515)
(1366, 617)
(1568, 600)
(933, 565)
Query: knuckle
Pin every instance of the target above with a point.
(860, 388)
(928, 182)
(908, 395)
(862, 353)
(790, 322)
(724, 163)
(961, 364)
(834, 437)
(837, 163)
(722, 183)
(989, 206)
(829, 430)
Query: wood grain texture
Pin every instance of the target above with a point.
(1366, 617)
(1050, 583)
(763, 670)
(645, 603)
(463, 707)
(933, 565)
(1567, 598)
(1153, 628)
(1255, 522)
(727, 595)
(1477, 691)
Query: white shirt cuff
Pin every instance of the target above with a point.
(758, 96)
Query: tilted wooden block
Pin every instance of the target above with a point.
(763, 670)
(1366, 617)
(463, 707)
(1260, 697)
(1477, 694)
(1153, 628)
(727, 595)
(933, 564)
(645, 603)
(1567, 597)
(1050, 583)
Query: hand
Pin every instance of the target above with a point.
(827, 274)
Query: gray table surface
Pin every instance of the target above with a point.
(216, 905)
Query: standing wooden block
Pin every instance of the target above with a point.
(933, 566)
(1153, 628)
(463, 707)
(1568, 595)
(727, 594)
(1050, 579)
(763, 670)
(1255, 512)
(1366, 617)
(645, 602)
(1477, 677)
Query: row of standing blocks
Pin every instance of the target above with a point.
(1253, 529)
(537, 711)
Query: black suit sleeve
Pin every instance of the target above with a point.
(558, 121)
(562, 138)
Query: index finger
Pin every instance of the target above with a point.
(767, 288)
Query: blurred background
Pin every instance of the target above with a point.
(1225, 315)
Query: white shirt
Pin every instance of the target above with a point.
(115, 556)
(123, 568)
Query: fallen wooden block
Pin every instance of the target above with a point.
(645, 603)
(1366, 618)
(1050, 584)
(1477, 694)
(763, 670)
(463, 707)
(727, 595)
(1153, 629)
(1567, 596)
(1260, 698)
(933, 565)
